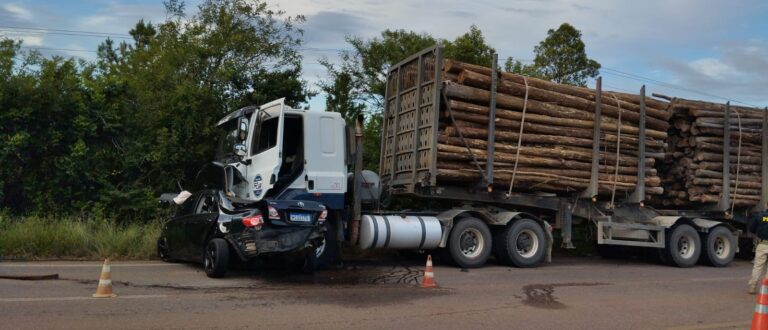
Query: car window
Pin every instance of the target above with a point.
(188, 206)
(207, 204)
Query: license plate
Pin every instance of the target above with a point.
(300, 217)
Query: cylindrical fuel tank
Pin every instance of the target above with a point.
(398, 232)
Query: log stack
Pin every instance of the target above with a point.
(693, 169)
(555, 154)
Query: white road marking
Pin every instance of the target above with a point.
(88, 265)
(145, 296)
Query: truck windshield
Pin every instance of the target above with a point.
(225, 152)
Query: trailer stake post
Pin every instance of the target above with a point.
(764, 166)
(492, 124)
(725, 198)
(591, 191)
(638, 195)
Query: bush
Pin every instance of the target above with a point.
(35, 237)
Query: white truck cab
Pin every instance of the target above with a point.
(284, 153)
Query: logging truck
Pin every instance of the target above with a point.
(486, 183)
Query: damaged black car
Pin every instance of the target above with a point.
(214, 229)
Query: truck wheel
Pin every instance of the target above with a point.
(521, 244)
(683, 246)
(328, 252)
(216, 258)
(469, 243)
(720, 247)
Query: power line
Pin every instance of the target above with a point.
(636, 77)
(60, 31)
(60, 49)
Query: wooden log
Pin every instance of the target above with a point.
(532, 180)
(483, 81)
(481, 96)
(461, 152)
(718, 157)
(513, 137)
(741, 200)
(695, 106)
(533, 117)
(654, 108)
(718, 166)
(714, 182)
(708, 113)
(574, 153)
(717, 175)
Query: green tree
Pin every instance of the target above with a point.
(107, 137)
(561, 57)
(471, 48)
(359, 79)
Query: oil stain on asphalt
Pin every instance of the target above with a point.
(543, 295)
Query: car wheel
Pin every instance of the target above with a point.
(522, 244)
(683, 246)
(720, 247)
(216, 258)
(162, 250)
(469, 243)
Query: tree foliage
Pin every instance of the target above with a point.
(560, 57)
(108, 136)
(359, 79)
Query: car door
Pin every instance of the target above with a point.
(201, 223)
(264, 154)
(175, 229)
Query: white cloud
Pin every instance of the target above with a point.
(20, 12)
(711, 67)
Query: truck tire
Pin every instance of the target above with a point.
(720, 247)
(521, 244)
(328, 252)
(683, 246)
(216, 258)
(469, 243)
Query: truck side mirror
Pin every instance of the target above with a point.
(242, 129)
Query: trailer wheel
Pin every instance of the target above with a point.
(216, 258)
(521, 244)
(683, 246)
(469, 243)
(720, 247)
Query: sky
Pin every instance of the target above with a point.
(700, 49)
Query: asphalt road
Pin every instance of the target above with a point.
(573, 293)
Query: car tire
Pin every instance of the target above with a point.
(470, 243)
(521, 244)
(162, 250)
(216, 258)
(719, 247)
(683, 246)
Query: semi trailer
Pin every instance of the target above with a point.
(275, 153)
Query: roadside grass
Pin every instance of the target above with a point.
(34, 237)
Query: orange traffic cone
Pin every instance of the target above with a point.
(104, 290)
(760, 317)
(429, 275)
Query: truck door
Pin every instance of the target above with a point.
(264, 154)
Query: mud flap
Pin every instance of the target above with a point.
(550, 241)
